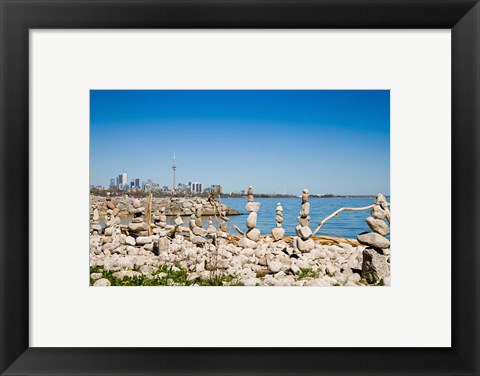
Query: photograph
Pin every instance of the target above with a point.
(240, 188)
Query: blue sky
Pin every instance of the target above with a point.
(330, 141)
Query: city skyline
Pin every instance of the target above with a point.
(328, 141)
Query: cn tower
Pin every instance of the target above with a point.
(174, 167)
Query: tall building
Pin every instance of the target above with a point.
(137, 183)
(196, 187)
(112, 182)
(124, 179)
(174, 168)
(120, 181)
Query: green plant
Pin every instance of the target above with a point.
(304, 273)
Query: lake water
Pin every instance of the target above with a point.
(346, 224)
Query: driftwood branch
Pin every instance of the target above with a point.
(322, 222)
(235, 227)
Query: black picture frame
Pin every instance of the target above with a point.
(19, 16)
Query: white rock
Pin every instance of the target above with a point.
(246, 243)
(141, 240)
(254, 234)
(305, 232)
(130, 240)
(274, 266)
(252, 220)
(102, 282)
(252, 207)
(96, 275)
(278, 233)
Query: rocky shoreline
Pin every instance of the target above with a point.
(173, 205)
(149, 252)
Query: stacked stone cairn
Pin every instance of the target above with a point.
(222, 232)
(138, 225)
(163, 242)
(278, 232)
(94, 224)
(252, 207)
(304, 241)
(376, 257)
(197, 233)
(178, 222)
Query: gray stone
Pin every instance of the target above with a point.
(252, 220)
(141, 240)
(252, 207)
(305, 245)
(378, 225)
(136, 203)
(197, 240)
(304, 221)
(377, 212)
(375, 266)
(254, 234)
(246, 243)
(102, 282)
(95, 276)
(274, 266)
(373, 239)
(163, 244)
(199, 231)
(96, 215)
(305, 232)
(178, 221)
(305, 209)
(279, 219)
(278, 233)
(135, 227)
(130, 240)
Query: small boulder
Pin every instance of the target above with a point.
(379, 226)
(374, 240)
(102, 282)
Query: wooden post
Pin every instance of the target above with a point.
(148, 213)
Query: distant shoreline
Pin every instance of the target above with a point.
(162, 194)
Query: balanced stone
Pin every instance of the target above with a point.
(379, 226)
(250, 194)
(305, 232)
(278, 233)
(254, 234)
(252, 220)
(178, 221)
(377, 212)
(252, 206)
(374, 240)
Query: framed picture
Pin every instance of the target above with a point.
(256, 188)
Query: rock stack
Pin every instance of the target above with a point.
(376, 238)
(278, 232)
(304, 241)
(178, 227)
(223, 225)
(252, 207)
(197, 233)
(94, 224)
(138, 225)
(376, 260)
